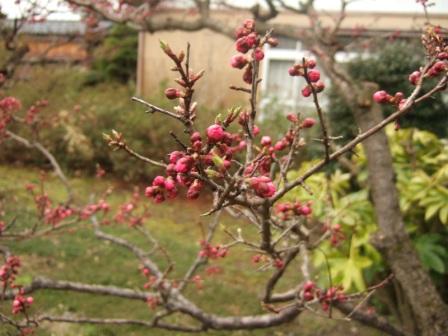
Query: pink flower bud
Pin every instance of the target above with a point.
(252, 39)
(442, 55)
(247, 76)
(172, 93)
(255, 130)
(170, 185)
(159, 181)
(311, 63)
(381, 97)
(258, 54)
(273, 42)
(249, 24)
(29, 300)
(238, 61)
(319, 86)
(292, 118)
(305, 210)
(280, 145)
(308, 123)
(313, 75)
(242, 45)
(306, 91)
(150, 191)
(175, 156)
(215, 133)
(183, 165)
(196, 136)
(263, 186)
(292, 71)
(414, 77)
(266, 140)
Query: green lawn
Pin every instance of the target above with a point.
(76, 255)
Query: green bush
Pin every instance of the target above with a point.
(390, 67)
(421, 165)
(78, 115)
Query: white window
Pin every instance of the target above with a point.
(277, 86)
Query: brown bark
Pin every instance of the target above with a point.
(429, 310)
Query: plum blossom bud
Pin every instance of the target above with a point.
(306, 91)
(242, 45)
(266, 140)
(313, 75)
(159, 181)
(443, 55)
(175, 156)
(172, 93)
(319, 86)
(258, 54)
(215, 133)
(263, 186)
(308, 123)
(249, 24)
(292, 118)
(183, 165)
(255, 130)
(247, 76)
(293, 71)
(170, 185)
(238, 61)
(414, 77)
(196, 136)
(310, 63)
(195, 189)
(381, 97)
(272, 41)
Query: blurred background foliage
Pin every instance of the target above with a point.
(421, 165)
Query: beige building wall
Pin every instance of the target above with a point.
(211, 51)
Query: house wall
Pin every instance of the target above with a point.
(212, 51)
(209, 51)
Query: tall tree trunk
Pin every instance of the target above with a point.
(430, 312)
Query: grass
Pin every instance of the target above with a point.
(76, 255)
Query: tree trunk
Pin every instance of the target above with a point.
(430, 311)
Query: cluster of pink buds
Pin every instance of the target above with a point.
(336, 234)
(309, 290)
(198, 281)
(152, 301)
(34, 110)
(9, 271)
(332, 294)
(263, 186)
(311, 75)
(278, 263)
(127, 214)
(213, 270)
(8, 105)
(91, 209)
(161, 188)
(248, 39)
(54, 216)
(326, 297)
(214, 155)
(288, 210)
(151, 279)
(212, 252)
(21, 303)
(382, 97)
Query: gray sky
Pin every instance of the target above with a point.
(409, 6)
